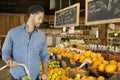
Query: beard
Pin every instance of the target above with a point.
(37, 25)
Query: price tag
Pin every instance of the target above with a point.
(86, 61)
(50, 53)
(77, 50)
(71, 29)
(59, 57)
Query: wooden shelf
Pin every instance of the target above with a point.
(115, 41)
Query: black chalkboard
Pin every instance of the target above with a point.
(67, 17)
(101, 10)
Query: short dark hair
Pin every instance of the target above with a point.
(35, 9)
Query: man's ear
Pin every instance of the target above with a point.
(31, 15)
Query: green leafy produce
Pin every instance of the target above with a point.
(25, 78)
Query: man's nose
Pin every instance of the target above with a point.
(41, 20)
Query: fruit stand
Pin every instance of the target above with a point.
(70, 60)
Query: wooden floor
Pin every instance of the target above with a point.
(4, 74)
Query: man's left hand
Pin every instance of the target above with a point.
(44, 77)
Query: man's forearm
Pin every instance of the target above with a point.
(10, 62)
(45, 68)
(7, 59)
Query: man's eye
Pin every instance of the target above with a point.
(39, 18)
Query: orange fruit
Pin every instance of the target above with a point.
(113, 62)
(87, 53)
(105, 62)
(118, 69)
(110, 68)
(98, 62)
(118, 64)
(82, 58)
(95, 65)
(98, 55)
(100, 78)
(76, 57)
(101, 59)
(94, 59)
(76, 78)
(101, 67)
(93, 55)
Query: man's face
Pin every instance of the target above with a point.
(38, 19)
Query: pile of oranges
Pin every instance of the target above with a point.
(84, 78)
(90, 56)
(98, 61)
(109, 66)
(91, 78)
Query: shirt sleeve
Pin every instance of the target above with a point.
(44, 52)
(7, 46)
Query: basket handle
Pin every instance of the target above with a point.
(3, 67)
(25, 67)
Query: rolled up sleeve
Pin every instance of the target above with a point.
(7, 46)
(44, 52)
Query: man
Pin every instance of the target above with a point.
(28, 46)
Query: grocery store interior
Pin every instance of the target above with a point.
(83, 36)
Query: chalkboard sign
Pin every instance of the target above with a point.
(67, 17)
(102, 11)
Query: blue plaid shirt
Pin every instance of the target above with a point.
(26, 50)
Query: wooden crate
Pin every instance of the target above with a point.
(49, 40)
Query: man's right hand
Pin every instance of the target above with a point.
(10, 62)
